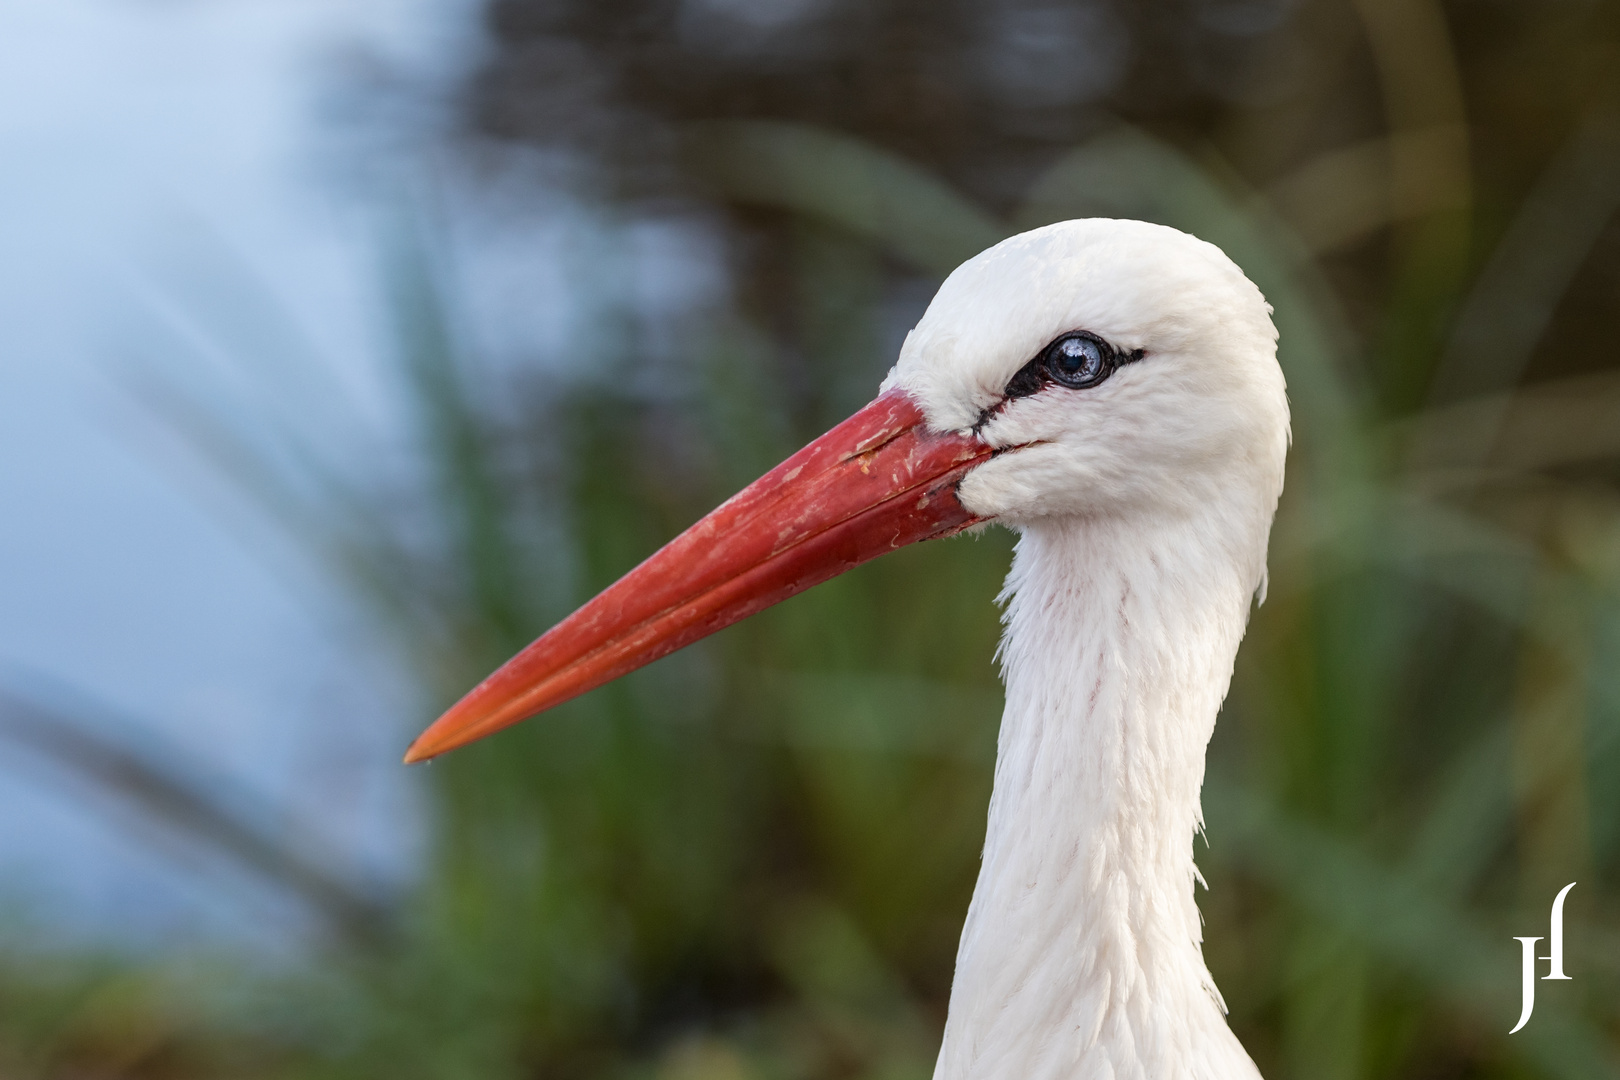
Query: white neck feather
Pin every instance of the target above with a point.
(1081, 956)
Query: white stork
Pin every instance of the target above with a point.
(1110, 390)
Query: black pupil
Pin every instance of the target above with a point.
(1077, 358)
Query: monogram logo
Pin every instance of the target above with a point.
(1554, 957)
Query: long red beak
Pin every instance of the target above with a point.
(876, 482)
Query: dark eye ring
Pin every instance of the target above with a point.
(1078, 360)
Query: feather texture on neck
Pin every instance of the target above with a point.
(1081, 956)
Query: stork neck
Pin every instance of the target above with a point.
(1082, 945)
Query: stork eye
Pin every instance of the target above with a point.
(1079, 360)
(1076, 360)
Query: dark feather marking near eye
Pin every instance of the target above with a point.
(1036, 375)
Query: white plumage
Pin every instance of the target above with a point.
(1110, 389)
(1144, 504)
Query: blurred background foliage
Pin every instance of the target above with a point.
(752, 859)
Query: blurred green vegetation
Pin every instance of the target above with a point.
(752, 859)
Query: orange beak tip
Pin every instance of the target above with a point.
(429, 745)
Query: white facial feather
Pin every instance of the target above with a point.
(1144, 505)
(1203, 409)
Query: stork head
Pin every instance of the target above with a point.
(1099, 368)
(1119, 368)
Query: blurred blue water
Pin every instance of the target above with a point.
(124, 126)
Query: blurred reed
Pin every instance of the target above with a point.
(752, 859)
